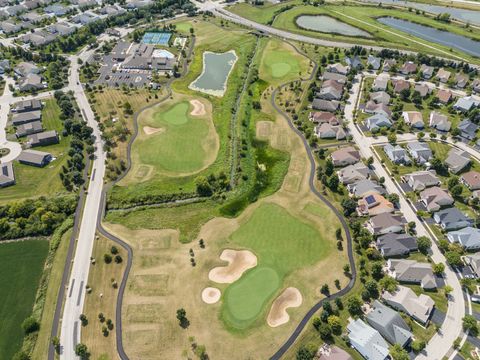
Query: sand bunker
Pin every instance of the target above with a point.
(278, 315)
(238, 263)
(211, 295)
(151, 130)
(198, 108)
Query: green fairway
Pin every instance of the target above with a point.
(282, 244)
(183, 143)
(280, 63)
(21, 265)
(246, 297)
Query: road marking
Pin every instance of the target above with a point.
(71, 288)
(93, 175)
(80, 293)
(75, 333)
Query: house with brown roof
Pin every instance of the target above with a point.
(371, 107)
(444, 96)
(408, 68)
(399, 85)
(345, 156)
(321, 117)
(435, 198)
(422, 89)
(414, 119)
(461, 80)
(443, 75)
(374, 204)
(327, 131)
(471, 180)
(389, 64)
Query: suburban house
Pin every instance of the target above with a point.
(34, 158)
(435, 198)
(43, 138)
(427, 71)
(345, 156)
(367, 341)
(377, 121)
(408, 68)
(327, 131)
(338, 69)
(457, 160)
(439, 121)
(444, 96)
(422, 179)
(422, 89)
(331, 352)
(467, 129)
(389, 64)
(380, 97)
(363, 187)
(452, 219)
(413, 272)
(25, 68)
(389, 324)
(476, 85)
(354, 62)
(385, 224)
(330, 90)
(391, 245)
(31, 82)
(353, 173)
(28, 129)
(399, 85)
(372, 107)
(461, 80)
(374, 204)
(468, 237)
(443, 75)
(320, 117)
(420, 307)
(27, 105)
(381, 82)
(397, 154)
(420, 152)
(473, 260)
(374, 62)
(325, 105)
(327, 75)
(4, 66)
(26, 117)
(471, 180)
(7, 176)
(464, 104)
(414, 119)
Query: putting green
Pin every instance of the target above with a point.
(282, 243)
(280, 69)
(186, 144)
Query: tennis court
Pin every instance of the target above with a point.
(156, 38)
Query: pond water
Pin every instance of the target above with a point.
(216, 69)
(328, 24)
(470, 16)
(446, 38)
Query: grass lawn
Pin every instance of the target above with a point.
(32, 181)
(282, 244)
(21, 265)
(262, 14)
(281, 63)
(184, 144)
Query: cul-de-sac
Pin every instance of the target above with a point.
(239, 179)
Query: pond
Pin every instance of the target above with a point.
(328, 24)
(470, 16)
(216, 69)
(462, 43)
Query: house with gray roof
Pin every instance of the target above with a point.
(27, 105)
(26, 117)
(61, 29)
(338, 68)
(7, 176)
(380, 97)
(420, 180)
(57, 10)
(389, 324)
(389, 64)
(361, 188)
(354, 62)
(44, 138)
(452, 219)
(476, 85)
(426, 71)
(473, 260)
(34, 158)
(325, 105)
(4, 66)
(468, 237)
(31, 82)
(467, 129)
(381, 82)
(392, 245)
(10, 27)
(419, 307)
(378, 121)
(464, 104)
(327, 75)
(439, 121)
(374, 62)
(422, 89)
(461, 80)
(413, 272)
(443, 75)
(371, 107)
(457, 160)
(397, 154)
(25, 68)
(354, 173)
(386, 223)
(367, 341)
(28, 129)
(327, 131)
(420, 152)
(435, 198)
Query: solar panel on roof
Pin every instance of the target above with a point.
(370, 199)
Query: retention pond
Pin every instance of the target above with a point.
(327, 24)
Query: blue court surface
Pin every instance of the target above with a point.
(156, 38)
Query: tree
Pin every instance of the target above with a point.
(393, 198)
(455, 132)
(354, 305)
(372, 287)
(346, 269)
(118, 259)
(438, 269)
(470, 324)
(399, 353)
(325, 331)
(81, 350)
(335, 324)
(418, 345)
(56, 344)
(377, 270)
(424, 244)
(456, 191)
(452, 182)
(21, 355)
(333, 182)
(30, 325)
(306, 352)
(107, 258)
(182, 318)
(370, 161)
(127, 108)
(392, 138)
(453, 258)
(349, 206)
(325, 290)
(329, 167)
(447, 290)
(203, 186)
(388, 283)
(114, 250)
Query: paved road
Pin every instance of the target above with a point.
(73, 308)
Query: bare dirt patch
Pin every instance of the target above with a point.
(148, 130)
(198, 108)
(211, 295)
(290, 297)
(238, 263)
(264, 130)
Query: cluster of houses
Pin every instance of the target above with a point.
(29, 77)
(26, 118)
(383, 325)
